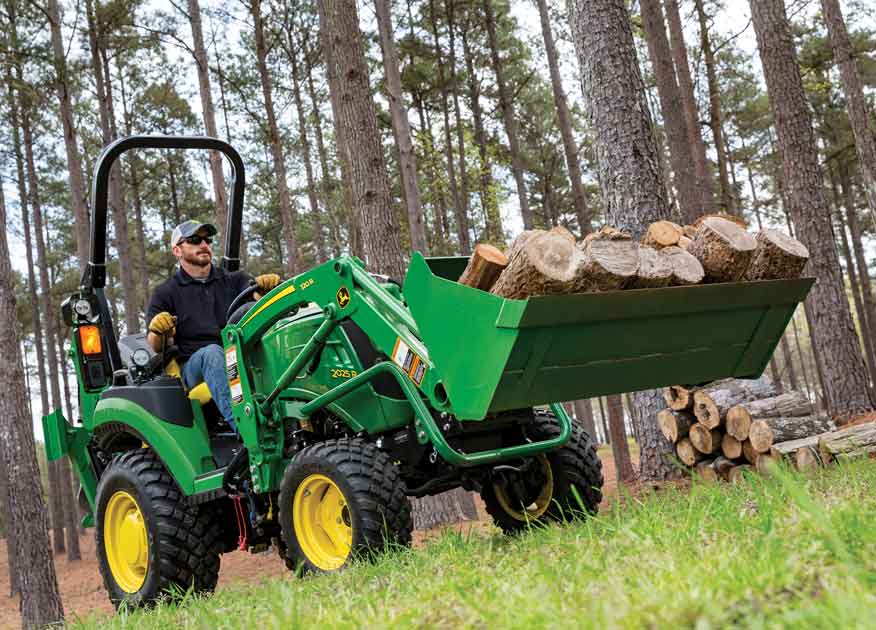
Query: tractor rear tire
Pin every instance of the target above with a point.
(565, 485)
(150, 541)
(340, 500)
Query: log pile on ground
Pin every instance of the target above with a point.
(730, 426)
(717, 248)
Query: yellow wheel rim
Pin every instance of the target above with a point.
(322, 521)
(538, 507)
(126, 541)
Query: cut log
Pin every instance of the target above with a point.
(607, 260)
(765, 432)
(723, 466)
(684, 242)
(723, 248)
(766, 463)
(737, 472)
(850, 443)
(484, 267)
(712, 402)
(748, 452)
(686, 269)
(808, 458)
(706, 470)
(675, 424)
(539, 263)
(678, 397)
(706, 440)
(738, 420)
(662, 234)
(690, 231)
(687, 453)
(731, 447)
(655, 271)
(777, 257)
(734, 218)
(561, 230)
(789, 448)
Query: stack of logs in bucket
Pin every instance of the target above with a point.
(731, 426)
(717, 248)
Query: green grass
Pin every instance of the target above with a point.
(788, 551)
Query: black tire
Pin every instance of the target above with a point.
(378, 513)
(184, 541)
(575, 471)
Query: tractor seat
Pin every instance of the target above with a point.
(199, 392)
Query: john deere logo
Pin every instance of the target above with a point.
(343, 297)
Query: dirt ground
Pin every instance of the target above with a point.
(82, 589)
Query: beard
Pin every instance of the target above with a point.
(197, 258)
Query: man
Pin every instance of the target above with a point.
(190, 308)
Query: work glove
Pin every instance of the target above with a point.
(163, 324)
(267, 281)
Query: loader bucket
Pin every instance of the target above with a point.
(494, 354)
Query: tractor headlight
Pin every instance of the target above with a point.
(82, 308)
(140, 357)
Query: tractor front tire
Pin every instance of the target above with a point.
(339, 500)
(562, 485)
(150, 541)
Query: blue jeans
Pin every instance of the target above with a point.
(207, 365)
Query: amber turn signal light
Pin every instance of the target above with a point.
(89, 339)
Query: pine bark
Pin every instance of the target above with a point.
(584, 415)
(507, 108)
(360, 149)
(705, 184)
(465, 207)
(837, 351)
(564, 119)
(401, 128)
(628, 169)
(620, 448)
(40, 603)
(680, 156)
(287, 209)
(220, 195)
(862, 119)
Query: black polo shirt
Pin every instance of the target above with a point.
(200, 306)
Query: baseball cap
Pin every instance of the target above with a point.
(188, 228)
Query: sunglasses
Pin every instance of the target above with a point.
(196, 240)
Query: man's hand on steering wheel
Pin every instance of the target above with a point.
(267, 282)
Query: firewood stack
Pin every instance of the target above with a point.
(717, 248)
(733, 425)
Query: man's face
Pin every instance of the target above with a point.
(200, 255)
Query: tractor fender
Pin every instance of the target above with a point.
(184, 450)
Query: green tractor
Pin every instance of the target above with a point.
(353, 394)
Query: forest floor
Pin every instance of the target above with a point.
(82, 590)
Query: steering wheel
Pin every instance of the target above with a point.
(241, 298)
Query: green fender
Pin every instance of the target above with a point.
(185, 451)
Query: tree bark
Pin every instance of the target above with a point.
(838, 353)
(765, 432)
(361, 148)
(620, 448)
(564, 119)
(851, 443)
(705, 183)
(627, 165)
(739, 417)
(680, 155)
(584, 415)
(220, 195)
(287, 209)
(863, 121)
(40, 603)
(726, 195)
(401, 128)
(465, 208)
(74, 163)
(507, 108)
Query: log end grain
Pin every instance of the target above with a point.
(662, 234)
(687, 453)
(686, 269)
(674, 424)
(678, 398)
(484, 267)
(606, 264)
(706, 440)
(706, 410)
(654, 270)
(724, 249)
(731, 447)
(778, 256)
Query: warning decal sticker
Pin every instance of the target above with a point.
(231, 363)
(236, 391)
(409, 361)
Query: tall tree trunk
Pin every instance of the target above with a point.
(627, 165)
(461, 222)
(837, 351)
(507, 108)
(465, 209)
(715, 123)
(401, 128)
(489, 205)
(564, 119)
(705, 184)
(63, 467)
(620, 449)
(220, 195)
(680, 156)
(789, 364)
(863, 121)
(360, 148)
(287, 210)
(40, 600)
(606, 434)
(584, 415)
(304, 142)
(74, 163)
